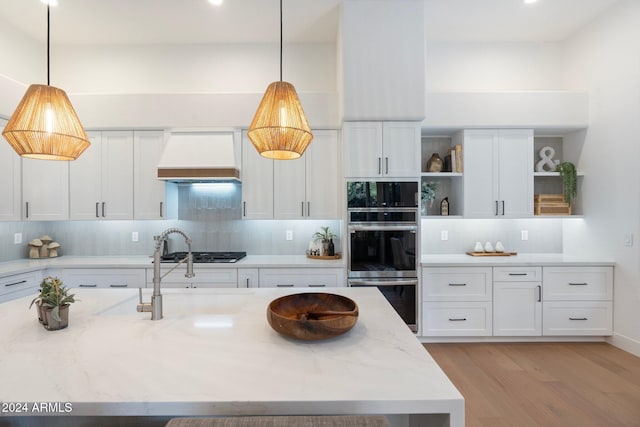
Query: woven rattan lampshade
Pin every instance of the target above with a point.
(279, 129)
(45, 126)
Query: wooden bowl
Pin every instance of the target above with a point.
(312, 316)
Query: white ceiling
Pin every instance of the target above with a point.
(251, 21)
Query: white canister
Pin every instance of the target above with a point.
(499, 246)
(488, 247)
(478, 247)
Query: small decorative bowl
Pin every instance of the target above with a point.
(312, 316)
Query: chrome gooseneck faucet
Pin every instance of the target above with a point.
(155, 306)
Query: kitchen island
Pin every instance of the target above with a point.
(215, 354)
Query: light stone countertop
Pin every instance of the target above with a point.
(143, 261)
(524, 259)
(215, 354)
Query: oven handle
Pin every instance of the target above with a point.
(392, 282)
(411, 228)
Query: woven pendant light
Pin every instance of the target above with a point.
(45, 125)
(279, 129)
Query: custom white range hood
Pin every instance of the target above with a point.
(199, 157)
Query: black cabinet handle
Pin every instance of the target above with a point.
(317, 286)
(88, 286)
(15, 283)
(578, 318)
(457, 319)
(244, 208)
(161, 212)
(539, 293)
(284, 286)
(97, 214)
(27, 210)
(496, 208)
(118, 286)
(457, 284)
(517, 274)
(379, 166)
(578, 284)
(503, 208)
(103, 205)
(386, 165)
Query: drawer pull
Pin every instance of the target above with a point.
(118, 286)
(578, 284)
(88, 286)
(518, 274)
(15, 283)
(284, 286)
(578, 318)
(457, 284)
(316, 286)
(457, 319)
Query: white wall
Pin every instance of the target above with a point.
(604, 58)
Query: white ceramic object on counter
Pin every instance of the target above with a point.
(478, 247)
(499, 246)
(488, 247)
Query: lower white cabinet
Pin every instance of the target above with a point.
(210, 278)
(457, 301)
(248, 278)
(301, 277)
(517, 301)
(101, 277)
(20, 285)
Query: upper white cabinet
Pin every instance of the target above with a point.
(45, 190)
(498, 173)
(381, 149)
(306, 188)
(153, 198)
(10, 177)
(101, 178)
(257, 182)
(383, 53)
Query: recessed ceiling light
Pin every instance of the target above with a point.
(50, 2)
(216, 2)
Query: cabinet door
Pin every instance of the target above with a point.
(301, 277)
(517, 308)
(515, 158)
(257, 183)
(117, 175)
(321, 163)
(401, 149)
(362, 142)
(10, 178)
(85, 180)
(289, 199)
(20, 285)
(150, 193)
(45, 190)
(248, 278)
(480, 174)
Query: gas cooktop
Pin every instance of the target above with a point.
(202, 257)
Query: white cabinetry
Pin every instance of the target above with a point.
(20, 285)
(209, 278)
(307, 188)
(578, 301)
(257, 183)
(101, 277)
(498, 173)
(45, 190)
(381, 149)
(248, 278)
(517, 301)
(301, 277)
(101, 180)
(457, 301)
(10, 178)
(153, 198)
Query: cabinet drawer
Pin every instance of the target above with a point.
(578, 283)
(577, 318)
(456, 319)
(103, 278)
(457, 284)
(215, 278)
(517, 274)
(19, 285)
(300, 277)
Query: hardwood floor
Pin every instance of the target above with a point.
(543, 384)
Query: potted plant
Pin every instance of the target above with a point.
(53, 304)
(569, 176)
(326, 237)
(428, 194)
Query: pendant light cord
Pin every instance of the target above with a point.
(48, 43)
(280, 40)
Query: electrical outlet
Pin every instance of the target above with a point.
(628, 239)
(289, 235)
(134, 236)
(524, 235)
(17, 238)
(444, 234)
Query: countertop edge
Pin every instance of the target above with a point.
(530, 259)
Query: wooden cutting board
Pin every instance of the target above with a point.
(492, 253)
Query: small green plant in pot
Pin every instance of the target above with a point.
(325, 236)
(569, 176)
(53, 303)
(428, 194)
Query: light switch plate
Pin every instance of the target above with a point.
(628, 239)
(134, 236)
(17, 238)
(289, 235)
(444, 234)
(524, 234)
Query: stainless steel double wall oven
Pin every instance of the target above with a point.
(383, 241)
